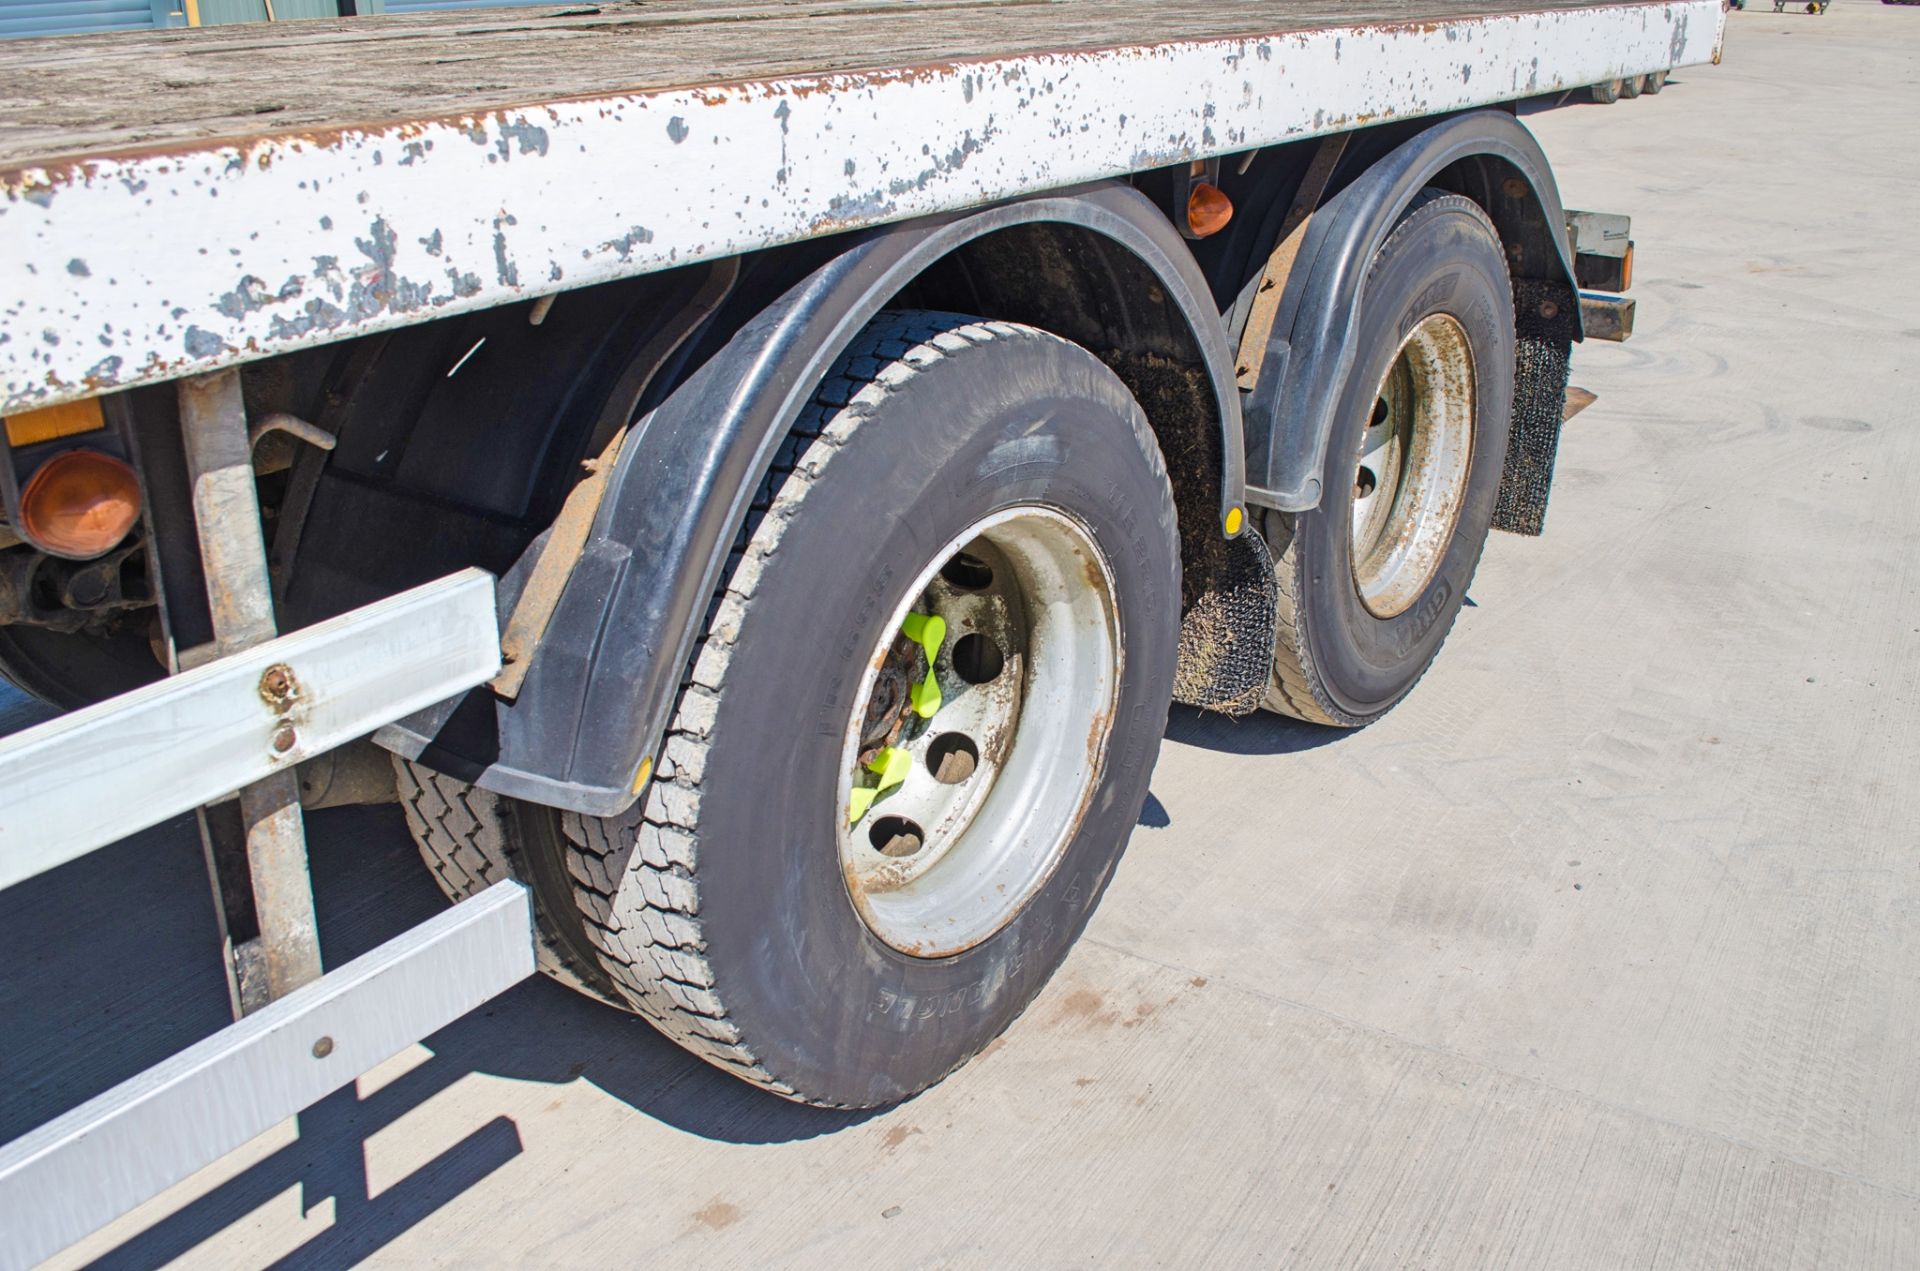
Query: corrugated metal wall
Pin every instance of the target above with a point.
(70, 17)
(221, 12)
(424, 6)
(19, 18)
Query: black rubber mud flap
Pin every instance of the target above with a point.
(1543, 314)
(1226, 634)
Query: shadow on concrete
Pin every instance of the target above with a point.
(1261, 733)
(118, 968)
(1153, 814)
(18, 711)
(114, 966)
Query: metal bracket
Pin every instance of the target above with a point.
(548, 578)
(233, 557)
(1273, 280)
(1607, 317)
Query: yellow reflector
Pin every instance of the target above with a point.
(1235, 518)
(69, 420)
(640, 777)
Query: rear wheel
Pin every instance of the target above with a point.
(1371, 580)
(1605, 93)
(915, 736)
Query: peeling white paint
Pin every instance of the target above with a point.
(115, 272)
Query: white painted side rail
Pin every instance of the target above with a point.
(97, 775)
(86, 1168)
(145, 267)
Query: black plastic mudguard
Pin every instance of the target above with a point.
(605, 677)
(1289, 416)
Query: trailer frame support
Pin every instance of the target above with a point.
(233, 556)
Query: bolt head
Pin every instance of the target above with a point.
(283, 739)
(87, 589)
(323, 1048)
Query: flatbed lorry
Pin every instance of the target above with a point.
(748, 479)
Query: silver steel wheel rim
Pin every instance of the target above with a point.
(1411, 473)
(1038, 730)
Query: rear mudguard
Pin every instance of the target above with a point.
(604, 678)
(1289, 415)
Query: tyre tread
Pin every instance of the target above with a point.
(635, 877)
(461, 834)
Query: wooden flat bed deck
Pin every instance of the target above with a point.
(175, 201)
(87, 94)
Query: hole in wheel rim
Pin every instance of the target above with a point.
(896, 836)
(977, 659)
(967, 572)
(952, 758)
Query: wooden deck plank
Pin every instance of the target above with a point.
(84, 95)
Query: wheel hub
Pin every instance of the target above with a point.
(1411, 474)
(978, 735)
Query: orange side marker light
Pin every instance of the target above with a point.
(80, 504)
(1208, 209)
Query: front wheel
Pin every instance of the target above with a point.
(916, 734)
(1371, 580)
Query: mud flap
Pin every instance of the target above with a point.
(1226, 634)
(1544, 316)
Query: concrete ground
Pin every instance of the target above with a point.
(1603, 950)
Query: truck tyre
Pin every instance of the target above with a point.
(1370, 581)
(871, 840)
(1605, 93)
